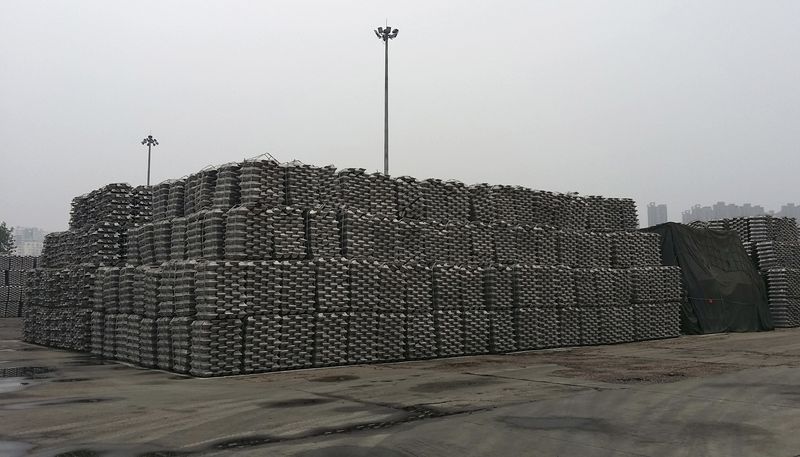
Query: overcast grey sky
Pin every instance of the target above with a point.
(668, 101)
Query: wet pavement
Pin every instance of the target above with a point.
(714, 395)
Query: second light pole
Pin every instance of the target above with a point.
(386, 34)
(149, 141)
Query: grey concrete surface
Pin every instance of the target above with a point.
(715, 395)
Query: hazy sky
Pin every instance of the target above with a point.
(669, 101)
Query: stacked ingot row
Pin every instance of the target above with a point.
(247, 232)
(58, 306)
(774, 246)
(261, 266)
(14, 270)
(60, 294)
(99, 222)
(210, 318)
(270, 184)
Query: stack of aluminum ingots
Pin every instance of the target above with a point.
(459, 308)
(261, 182)
(98, 225)
(774, 245)
(262, 266)
(445, 200)
(309, 186)
(777, 254)
(66, 308)
(58, 306)
(783, 290)
(114, 203)
(14, 271)
(410, 199)
(635, 249)
(227, 192)
(355, 187)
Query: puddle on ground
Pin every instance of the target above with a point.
(413, 413)
(126, 450)
(88, 361)
(334, 378)
(14, 448)
(56, 402)
(244, 442)
(445, 386)
(12, 385)
(351, 451)
(25, 372)
(297, 402)
(164, 454)
(13, 379)
(79, 453)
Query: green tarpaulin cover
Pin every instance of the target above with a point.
(725, 291)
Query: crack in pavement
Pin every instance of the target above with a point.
(582, 386)
(412, 413)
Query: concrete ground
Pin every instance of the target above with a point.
(714, 395)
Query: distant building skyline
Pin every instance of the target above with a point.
(656, 214)
(722, 210)
(28, 240)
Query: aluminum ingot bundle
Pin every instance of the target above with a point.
(331, 339)
(261, 182)
(323, 234)
(175, 199)
(226, 191)
(411, 202)
(296, 344)
(354, 190)
(391, 337)
(14, 276)
(308, 186)
(538, 327)
(776, 254)
(262, 338)
(783, 291)
(217, 347)
(635, 249)
(287, 226)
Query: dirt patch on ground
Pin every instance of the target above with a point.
(595, 366)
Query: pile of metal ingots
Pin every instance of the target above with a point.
(14, 270)
(262, 266)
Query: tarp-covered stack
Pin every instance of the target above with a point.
(774, 248)
(262, 266)
(14, 271)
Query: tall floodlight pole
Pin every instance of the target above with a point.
(386, 34)
(150, 142)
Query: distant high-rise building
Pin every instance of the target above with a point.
(789, 210)
(28, 240)
(656, 214)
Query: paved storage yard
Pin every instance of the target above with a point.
(721, 395)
